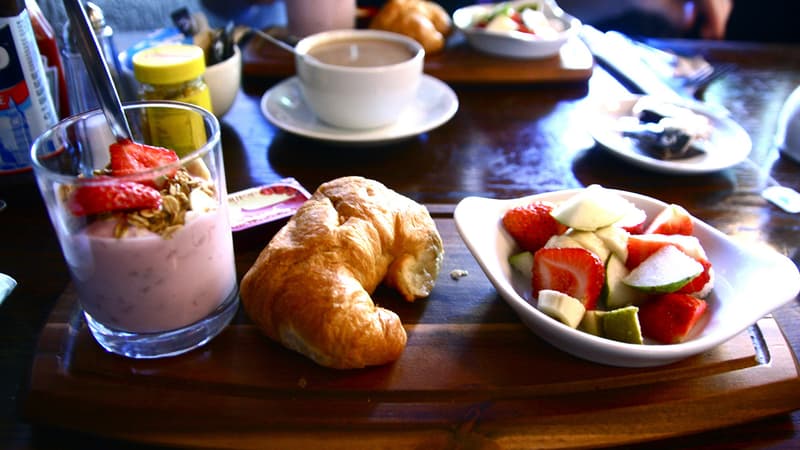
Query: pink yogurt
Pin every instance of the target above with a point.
(145, 283)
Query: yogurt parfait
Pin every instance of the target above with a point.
(148, 242)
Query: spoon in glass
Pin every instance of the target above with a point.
(99, 74)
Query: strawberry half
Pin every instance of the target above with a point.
(673, 219)
(574, 271)
(668, 318)
(128, 157)
(98, 199)
(532, 225)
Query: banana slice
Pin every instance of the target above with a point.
(562, 307)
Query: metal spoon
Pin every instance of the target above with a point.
(98, 69)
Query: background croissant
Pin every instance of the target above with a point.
(310, 287)
(423, 20)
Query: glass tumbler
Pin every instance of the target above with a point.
(150, 252)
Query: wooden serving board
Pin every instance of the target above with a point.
(472, 376)
(457, 63)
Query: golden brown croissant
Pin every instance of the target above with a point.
(423, 20)
(310, 287)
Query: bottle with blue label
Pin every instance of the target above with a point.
(26, 104)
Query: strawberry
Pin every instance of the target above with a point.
(97, 199)
(673, 219)
(633, 221)
(128, 157)
(668, 318)
(532, 225)
(640, 246)
(574, 271)
(700, 285)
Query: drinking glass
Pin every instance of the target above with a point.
(153, 280)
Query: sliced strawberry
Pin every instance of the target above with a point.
(700, 285)
(673, 219)
(532, 225)
(571, 270)
(97, 199)
(641, 246)
(633, 222)
(669, 318)
(128, 157)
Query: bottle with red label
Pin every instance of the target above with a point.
(26, 105)
(51, 57)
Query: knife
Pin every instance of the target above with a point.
(621, 58)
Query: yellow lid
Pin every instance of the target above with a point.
(169, 64)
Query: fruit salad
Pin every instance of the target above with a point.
(156, 250)
(597, 263)
(524, 18)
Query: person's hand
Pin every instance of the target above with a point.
(713, 16)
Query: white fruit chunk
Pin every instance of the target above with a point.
(666, 270)
(522, 262)
(562, 307)
(590, 241)
(616, 239)
(592, 208)
(619, 294)
(562, 241)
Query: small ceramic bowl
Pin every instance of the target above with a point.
(223, 80)
(749, 282)
(349, 80)
(516, 44)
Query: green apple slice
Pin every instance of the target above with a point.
(616, 239)
(590, 241)
(592, 322)
(666, 270)
(617, 293)
(562, 307)
(522, 262)
(592, 208)
(622, 325)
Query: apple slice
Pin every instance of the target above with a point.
(562, 307)
(592, 208)
(623, 325)
(616, 239)
(590, 241)
(617, 293)
(592, 322)
(522, 262)
(666, 270)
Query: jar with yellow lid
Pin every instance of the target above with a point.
(173, 72)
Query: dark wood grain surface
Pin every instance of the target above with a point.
(505, 141)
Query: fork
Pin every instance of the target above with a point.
(697, 84)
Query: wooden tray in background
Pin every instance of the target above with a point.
(458, 63)
(472, 376)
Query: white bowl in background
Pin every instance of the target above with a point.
(515, 44)
(224, 79)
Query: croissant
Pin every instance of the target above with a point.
(423, 20)
(310, 287)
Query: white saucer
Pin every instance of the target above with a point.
(728, 145)
(284, 106)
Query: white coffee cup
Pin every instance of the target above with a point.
(359, 79)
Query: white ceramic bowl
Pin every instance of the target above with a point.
(224, 79)
(515, 44)
(749, 283)
(358, 97)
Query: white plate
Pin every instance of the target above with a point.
(284, 106)
(749, 283)
(515, 44)
(728, 145)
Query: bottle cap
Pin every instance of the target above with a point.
(169, 64)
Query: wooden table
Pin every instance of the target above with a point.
(506, 140)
